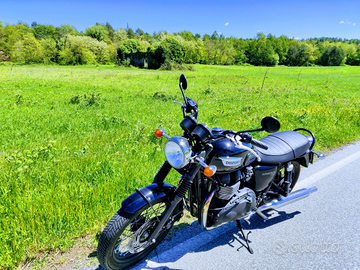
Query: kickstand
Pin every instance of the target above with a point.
(246, 238)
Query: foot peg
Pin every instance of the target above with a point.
(261, 215)
(319, 155)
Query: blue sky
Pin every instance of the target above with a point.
(242, 18)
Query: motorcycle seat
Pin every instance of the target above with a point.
(283, 146)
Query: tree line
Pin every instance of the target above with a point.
(101, 43)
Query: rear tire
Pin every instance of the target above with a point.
(125, 239)
(282, 175)
(279, 181)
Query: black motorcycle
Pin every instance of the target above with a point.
(225, 176)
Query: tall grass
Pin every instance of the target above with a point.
(75, 141)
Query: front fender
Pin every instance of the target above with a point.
(152, 192)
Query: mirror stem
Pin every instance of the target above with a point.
(182, 91)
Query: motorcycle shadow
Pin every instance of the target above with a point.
(230, 237)
(234, 235)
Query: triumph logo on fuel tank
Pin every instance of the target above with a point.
(231, 161)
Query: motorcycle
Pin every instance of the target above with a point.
(226, 176)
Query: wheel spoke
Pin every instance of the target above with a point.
(134, 236)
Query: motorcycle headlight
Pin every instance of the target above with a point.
(177, 152)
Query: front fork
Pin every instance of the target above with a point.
(179, 194)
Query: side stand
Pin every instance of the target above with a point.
(246, 238)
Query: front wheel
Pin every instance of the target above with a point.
(125, 239)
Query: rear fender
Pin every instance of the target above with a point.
(305, 159)
(153, 192)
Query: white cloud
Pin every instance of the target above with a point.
(226, 24)
(348, 22)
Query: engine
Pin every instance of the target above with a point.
(231, 202)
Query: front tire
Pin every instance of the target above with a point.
(125, 239)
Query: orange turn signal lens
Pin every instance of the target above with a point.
(158, 133)
(208, 172)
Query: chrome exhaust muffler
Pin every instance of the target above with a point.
(290, 198)
(274, 204)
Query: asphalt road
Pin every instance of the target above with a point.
(319, 232)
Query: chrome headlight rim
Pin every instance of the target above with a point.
(185, 149)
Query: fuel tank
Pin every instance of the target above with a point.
(229, 158)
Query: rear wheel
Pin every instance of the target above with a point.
(282, 175)
(278, 186)
(126, 238)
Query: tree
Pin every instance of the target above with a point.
(139, 32)
(50, 51)
(99, 32)
(355, 58)
(120, 35)
(206, 37)
(130, 34)
(215, 36)
(13, 34)
(169, 49)
(66, 29)
(262, 53)
(133, 50)
(110, 30)
(187, 36)
(28, 50)
(3, 55)
(84, 50)
(44, 31)
(301, 54)
(333, 56)
(195, 52)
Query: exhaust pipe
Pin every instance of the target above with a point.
(282, 201)
(274, 204)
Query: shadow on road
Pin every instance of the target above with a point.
(232, 238)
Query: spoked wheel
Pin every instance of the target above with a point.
(126, 238)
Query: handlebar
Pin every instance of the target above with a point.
(247, 138)
(259, 144)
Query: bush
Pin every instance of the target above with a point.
(171, 65)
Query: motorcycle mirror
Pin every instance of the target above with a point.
(183, 81)
(270, 124)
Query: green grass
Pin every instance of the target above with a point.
(75, 141)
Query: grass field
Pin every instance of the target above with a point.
(75, 141)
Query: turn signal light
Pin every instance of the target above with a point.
(158, 133)
(209, 171)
